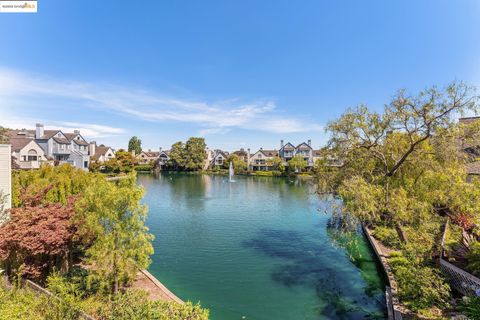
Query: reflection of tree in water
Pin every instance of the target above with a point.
(315, 263)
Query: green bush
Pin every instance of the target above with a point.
(474, 259)
(387, 236)
(470, 306)
(263, 173)
(420, 287)
(134, 305)
(143, 167)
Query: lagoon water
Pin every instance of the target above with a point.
(258, 248)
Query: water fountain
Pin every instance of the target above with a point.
(231, 172)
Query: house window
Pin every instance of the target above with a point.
(32, 155)
(85, 164)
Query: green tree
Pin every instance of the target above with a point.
(238, 164)
(135, 144)
(276, 163)
(4, 138)
(195, 154)
(297, 162)
(111, 221)
(403, 170)
(177, 156)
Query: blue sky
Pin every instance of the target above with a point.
(240, 73)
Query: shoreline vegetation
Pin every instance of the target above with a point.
(403, 175)
(84, 239)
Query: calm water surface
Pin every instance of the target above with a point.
(258, 248)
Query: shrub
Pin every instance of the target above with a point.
(143, 167)
(470, 306)
(420, 287)
(134, 305)
(474, 259)
(387, 236)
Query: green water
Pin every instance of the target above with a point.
(258, 248)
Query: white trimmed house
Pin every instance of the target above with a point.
(100, 153)
(219, 159)
(27, 153)
(147, 157)
(259, 160)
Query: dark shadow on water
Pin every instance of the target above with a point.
(343, 290)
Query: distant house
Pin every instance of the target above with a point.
(147, 157)
(288, 151)
(259, 161)
(27, 154)
(163, 157)
(100, 153)
(243, 155)
(219, 158)
(61, 147)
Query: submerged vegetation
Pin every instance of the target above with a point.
(402, 173)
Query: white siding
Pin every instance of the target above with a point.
(6, 173)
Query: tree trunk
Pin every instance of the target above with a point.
(401, 233)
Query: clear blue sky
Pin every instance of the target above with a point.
(241, 73)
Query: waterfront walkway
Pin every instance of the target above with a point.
(156, 290)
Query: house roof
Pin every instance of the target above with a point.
(304, 146)
(317, 153)
(19, 143)
(468, 120)
(151, 154)
(270, 153)
(288, 147)
(72, 136)
(61, 140)
(240, 152)
(100, 150)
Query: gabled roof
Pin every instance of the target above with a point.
(61, 140)
(266, 153)
(47, 134)
(20, 143)
(100, 150)
(151, 154)
(304, 146)
(73, 137)
(240, 152)
(288, 147)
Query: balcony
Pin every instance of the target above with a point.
(57, 150)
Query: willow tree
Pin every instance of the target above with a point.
(394, 164)
(111, 224)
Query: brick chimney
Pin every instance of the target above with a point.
(39, 132)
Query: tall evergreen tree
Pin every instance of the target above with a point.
(135, 144)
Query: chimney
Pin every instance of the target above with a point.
(281, 144)
(91, 148)
(76, 131)
(160, 149)
(39, 131)
(149, 150)
(309, 142)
